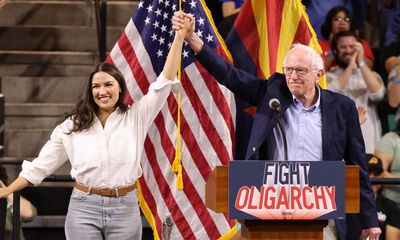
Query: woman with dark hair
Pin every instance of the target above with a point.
(339, 19)
(104, 139)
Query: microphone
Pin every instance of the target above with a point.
(275, 105)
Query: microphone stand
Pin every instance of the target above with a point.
(280, 128)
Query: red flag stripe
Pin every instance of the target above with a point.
(246, 28)
(303, 33)
(222, 119)
(176, 213)
(190, 191)
(206, 123)
(221, 104)
(274, 11)
(132, 60)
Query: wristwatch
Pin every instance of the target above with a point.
(396, 80)
(362, 63)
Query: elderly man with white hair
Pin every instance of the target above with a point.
(321, 125)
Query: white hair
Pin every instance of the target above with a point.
(314, 56)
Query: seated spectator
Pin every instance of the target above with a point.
(353, 77)
(27, 210)
(391, 58)
(339, 19)
(230, 10)
(388, 211)
(388, 150)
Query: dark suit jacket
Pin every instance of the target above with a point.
(341, 132)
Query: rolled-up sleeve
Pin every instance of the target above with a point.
(378, 95)
(51, 157)
(150, 104)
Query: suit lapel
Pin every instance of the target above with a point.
(264, 120)
(328, 110)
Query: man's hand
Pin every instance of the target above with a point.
(371, 233)
(353, 62)
(178, 23)
(187, 24)
(360, 52)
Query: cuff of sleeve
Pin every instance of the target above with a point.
(28, 175)
(378, 95)
(162, 82)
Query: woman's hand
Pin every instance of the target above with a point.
(179, 22)
(5, 192)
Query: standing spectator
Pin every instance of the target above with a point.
(339, 19)
(353, 78)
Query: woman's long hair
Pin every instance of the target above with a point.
(86, 109)
(326, 28)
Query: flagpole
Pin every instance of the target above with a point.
(177, 163)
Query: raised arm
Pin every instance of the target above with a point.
(243, 84)
(175, 53)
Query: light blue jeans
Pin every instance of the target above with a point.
(93, 217)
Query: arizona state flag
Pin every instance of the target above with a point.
(262, 34)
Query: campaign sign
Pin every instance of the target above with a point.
(286, 190)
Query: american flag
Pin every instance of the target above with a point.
(207, 120)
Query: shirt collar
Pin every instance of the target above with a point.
(299, 104)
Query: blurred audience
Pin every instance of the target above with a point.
(339, 19)
(2, 3)
(388, 211)
(27, 210)
(391, 58)
(353, 77)
(230, 10)
(388, 150)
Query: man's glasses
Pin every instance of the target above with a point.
(340, 19)
(300, 71)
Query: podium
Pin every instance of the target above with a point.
(216, 198)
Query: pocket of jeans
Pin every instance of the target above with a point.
(78, 195)
(130, 199)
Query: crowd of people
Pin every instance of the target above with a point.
(350, 66)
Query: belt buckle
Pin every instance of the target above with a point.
(106, 192)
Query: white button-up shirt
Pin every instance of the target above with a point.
(102, 157)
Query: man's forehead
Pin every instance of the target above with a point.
(346, 40)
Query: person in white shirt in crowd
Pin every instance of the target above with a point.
(353, 78)
(104, 139)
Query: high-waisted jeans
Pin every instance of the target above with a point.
(94, 217)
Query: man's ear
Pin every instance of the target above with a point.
(320, 73)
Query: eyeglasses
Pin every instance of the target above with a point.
(340, 19)
(300, 71)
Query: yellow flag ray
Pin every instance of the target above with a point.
(261, 22)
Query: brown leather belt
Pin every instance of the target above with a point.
(106, 192)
